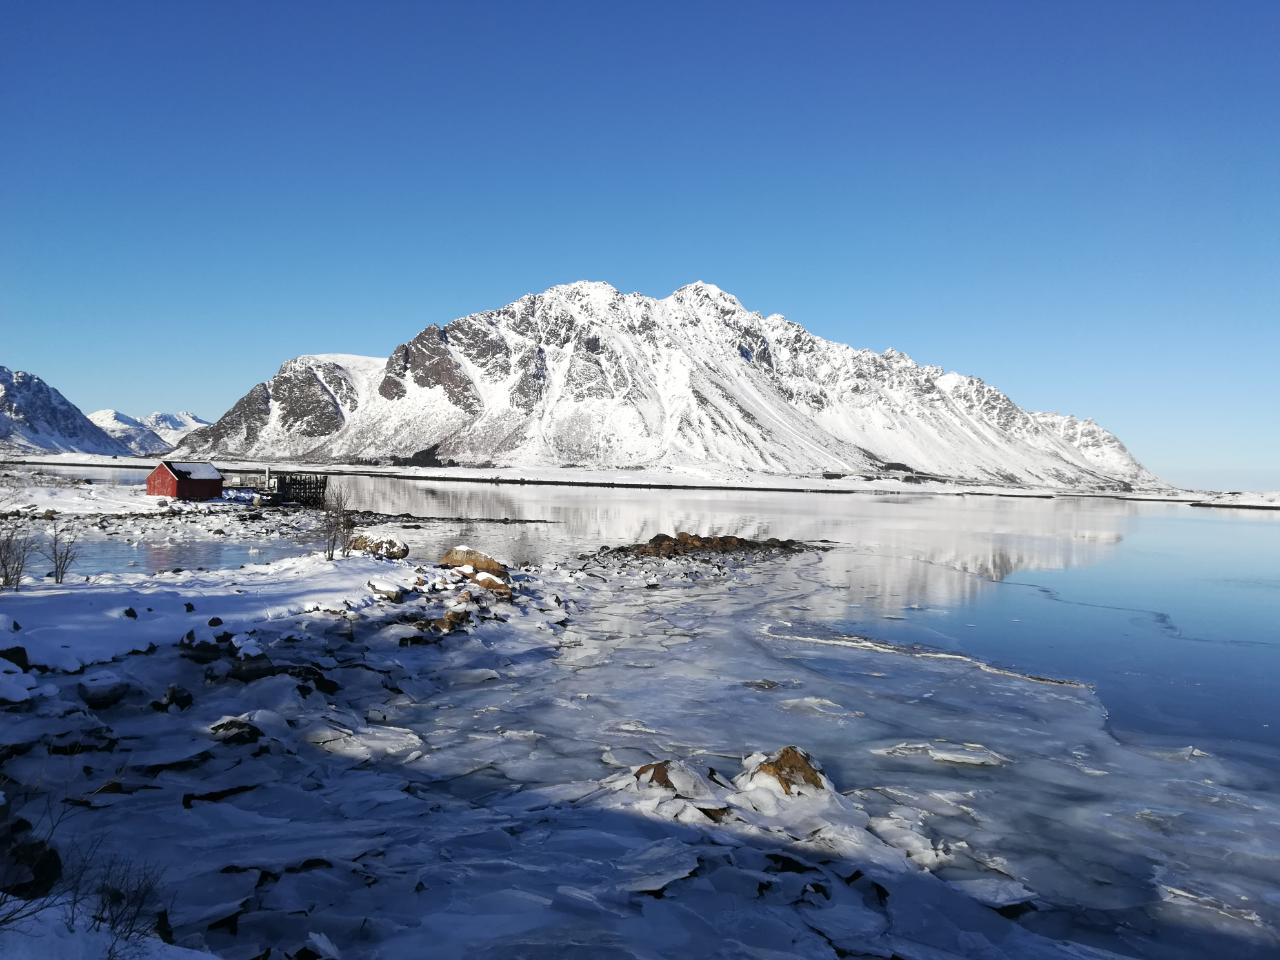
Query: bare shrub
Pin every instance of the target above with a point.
(16, 548)
(61, 550)
(111, 894)
(337, 526)
(126, 899)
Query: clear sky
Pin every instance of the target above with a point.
(1078, 202)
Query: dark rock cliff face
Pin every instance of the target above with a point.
(237, 428)
(311, 403)
(582, 374)
(427, 361)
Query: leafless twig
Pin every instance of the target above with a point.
(61, 550)
(16, 547)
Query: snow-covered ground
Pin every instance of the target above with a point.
(1264, 500)
(33, 492)
(597, 767)
(52, 935)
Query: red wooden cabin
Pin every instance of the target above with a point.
(185, 481)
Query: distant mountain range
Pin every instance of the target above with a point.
(153, 435)
(585, 375)
(35, 418)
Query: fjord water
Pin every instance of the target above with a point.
(1172, 612)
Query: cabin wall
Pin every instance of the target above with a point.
(199, 489)
(162, 483)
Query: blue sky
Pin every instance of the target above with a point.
(1078, 202)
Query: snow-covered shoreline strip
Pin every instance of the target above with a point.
(659, 479)
(1267, 500)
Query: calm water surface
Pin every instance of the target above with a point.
(1173, 612)
(97, 553)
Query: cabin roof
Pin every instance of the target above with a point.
(191, 471)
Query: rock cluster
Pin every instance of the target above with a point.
(480, 568)
(684, 544)
(388, 547)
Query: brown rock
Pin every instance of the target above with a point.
(390, 547)
(792, 767)
(655, 773)
(491, 582)
(686, 544)
(480, 562)
(451, 621)
(715, 814)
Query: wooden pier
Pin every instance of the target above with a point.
(307, 489)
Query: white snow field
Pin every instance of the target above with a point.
(597, 768)
(1268, 499)
(34, 492)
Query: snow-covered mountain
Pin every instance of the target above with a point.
(150, 436)
(36, 418)
(584, 374)
(172, 427)
(137, 436)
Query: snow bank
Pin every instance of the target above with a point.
(1264, 500)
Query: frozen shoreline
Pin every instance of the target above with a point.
(644, 479)
(484, 791)
(1269, 500)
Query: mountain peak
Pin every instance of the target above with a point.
(36, 418)
(700, 289)
(582, 288)
(134, 434)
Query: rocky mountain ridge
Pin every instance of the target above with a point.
(36, 418)
(582, 374)
(141, 440)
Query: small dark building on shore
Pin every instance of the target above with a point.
(185, 481)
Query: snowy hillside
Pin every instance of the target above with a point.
(36, 418)
(172, 427)
(585, 375)
(137, 436)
